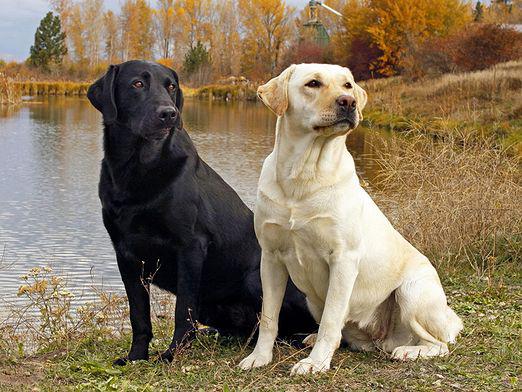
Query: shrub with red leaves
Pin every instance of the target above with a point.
(477, 47)
(485, 45)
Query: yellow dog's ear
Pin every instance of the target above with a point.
(361, 98)
(274, 93)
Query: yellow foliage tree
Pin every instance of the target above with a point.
(195, 18)
(225, 41)
(137, 30)
(266, 24)
(110, 22)
(166, 15)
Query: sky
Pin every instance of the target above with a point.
(20, 18)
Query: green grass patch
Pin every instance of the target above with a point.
(486, 357)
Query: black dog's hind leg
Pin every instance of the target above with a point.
(190, 267)
(137, 288)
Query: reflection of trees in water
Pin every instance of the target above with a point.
(66, 138)
(9, 110)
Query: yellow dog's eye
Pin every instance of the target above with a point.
(171, 87)
(137, 84)
(348, 85)
(313, 83)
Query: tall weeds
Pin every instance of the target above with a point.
(10, 91)
(456, 200)
(53, 88)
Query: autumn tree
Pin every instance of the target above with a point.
(49, 43)
(74, 30)
(389, 29)
(137, 30)
(166, 16)
(265, 25)
(195, 18)
(111, 32)
(504, 11)
(225, 40)
(92, 18)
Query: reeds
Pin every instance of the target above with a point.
(10, 91)
(53, 88)
(457, 200)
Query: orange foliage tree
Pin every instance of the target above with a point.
(392, 27)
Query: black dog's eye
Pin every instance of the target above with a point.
(313, 84)
(137, 84)
(348, 85)
(171, 87)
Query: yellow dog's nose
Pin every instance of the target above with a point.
(346, 101)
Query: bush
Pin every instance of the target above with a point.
(229, 92)
(478, 47)
(485, 45)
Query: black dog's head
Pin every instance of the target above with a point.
(141, 95)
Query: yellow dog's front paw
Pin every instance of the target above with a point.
(255, 360)
(308, 365)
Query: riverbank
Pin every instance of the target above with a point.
(486, 357)
(485, 103)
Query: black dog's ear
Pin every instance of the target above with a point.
(101, 95)
(179, 93)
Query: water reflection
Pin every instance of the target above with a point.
(50, 152)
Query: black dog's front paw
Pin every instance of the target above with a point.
(168, 355)
(130, 358)
(121, 361)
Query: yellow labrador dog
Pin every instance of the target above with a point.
(363, 281)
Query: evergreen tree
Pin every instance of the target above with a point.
(478, 12)
(49, 43)
(196, 58)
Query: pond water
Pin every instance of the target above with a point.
(50, 153)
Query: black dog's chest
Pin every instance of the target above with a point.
(145, 238)
(145, 233)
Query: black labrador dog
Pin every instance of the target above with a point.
(173, 221)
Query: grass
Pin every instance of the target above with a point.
(456, 200)
(486, 357)
(10, 92)
(53, 88)
(485, 103)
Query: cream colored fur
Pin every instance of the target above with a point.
(363, 281)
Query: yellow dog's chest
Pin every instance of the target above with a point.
(304, 241)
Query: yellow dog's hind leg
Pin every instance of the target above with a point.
(425, 323)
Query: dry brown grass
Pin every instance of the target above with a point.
(53, 87)
(10, 92)
(481, 103)
(456, 200)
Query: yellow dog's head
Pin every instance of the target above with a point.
(320, 98)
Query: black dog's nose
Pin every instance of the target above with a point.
(167, 113)
(346, 101)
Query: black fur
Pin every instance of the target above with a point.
(172, 220)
